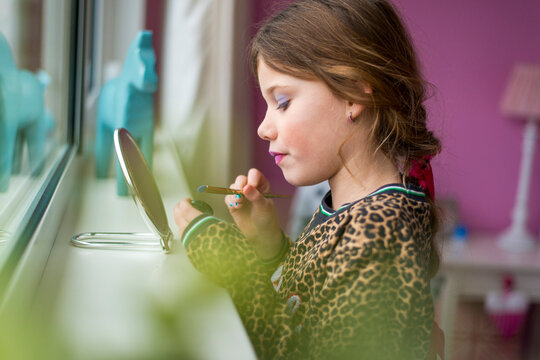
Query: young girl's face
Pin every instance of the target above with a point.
(305, 124)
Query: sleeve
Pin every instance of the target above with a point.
(373, 304)
(219, 250)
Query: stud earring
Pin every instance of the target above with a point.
(350, 117)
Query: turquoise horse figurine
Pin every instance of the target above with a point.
(23, 117)
(127, 101)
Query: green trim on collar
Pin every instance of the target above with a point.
(332, 213)
(381, 190)
(402, 189)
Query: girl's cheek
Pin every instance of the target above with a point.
(295, 139)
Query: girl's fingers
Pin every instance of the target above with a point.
(252, 193)
(234, 202)
(184, 213)
(253, 186)
(256, 179)
(257, 184)
(240, 182)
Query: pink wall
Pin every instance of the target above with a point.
(467, 49)
(261, 159)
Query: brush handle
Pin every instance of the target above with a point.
(228, 191)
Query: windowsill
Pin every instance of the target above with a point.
(112, 303)
(23, 189)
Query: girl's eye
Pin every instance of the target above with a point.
(283, 104)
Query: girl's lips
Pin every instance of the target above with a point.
(277, 156)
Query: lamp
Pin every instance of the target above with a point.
(522, 99)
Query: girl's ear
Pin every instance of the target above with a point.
(354, 109)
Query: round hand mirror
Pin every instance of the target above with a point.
(145, 193)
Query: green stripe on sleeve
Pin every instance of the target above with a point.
(197, 224)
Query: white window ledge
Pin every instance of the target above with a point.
(133, 304)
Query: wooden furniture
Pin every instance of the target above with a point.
(476, 267)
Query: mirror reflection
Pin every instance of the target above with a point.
(34, 78)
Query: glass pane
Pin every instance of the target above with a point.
(35, 59)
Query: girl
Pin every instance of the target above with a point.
(344, 98)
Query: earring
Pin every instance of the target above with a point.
(350, 117)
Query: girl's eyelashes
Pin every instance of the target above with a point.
(283, 105)
(282, 102)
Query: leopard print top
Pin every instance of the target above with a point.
(355, 284)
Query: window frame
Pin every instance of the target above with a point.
(27, 257)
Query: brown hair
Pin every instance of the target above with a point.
(348, 44)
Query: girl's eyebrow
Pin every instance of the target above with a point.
(272, 88)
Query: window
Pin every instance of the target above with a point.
(39, 111)
(69, 49)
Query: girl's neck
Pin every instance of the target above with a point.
(367, 178)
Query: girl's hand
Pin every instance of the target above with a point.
(184, 213)
(254, 214)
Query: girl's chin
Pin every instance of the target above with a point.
(290, 178)
(296, 179)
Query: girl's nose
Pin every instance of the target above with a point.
(267, 131)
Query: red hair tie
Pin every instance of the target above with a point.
(422, 172)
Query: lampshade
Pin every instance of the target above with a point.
(522, 95)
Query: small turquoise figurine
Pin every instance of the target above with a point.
(23, 117)
(127, 101)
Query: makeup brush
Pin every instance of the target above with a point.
(227, 191)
